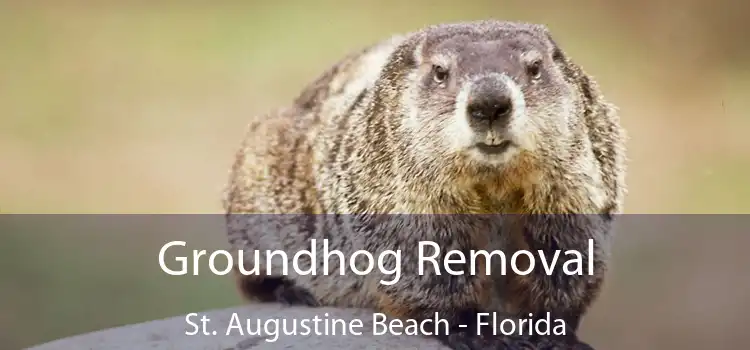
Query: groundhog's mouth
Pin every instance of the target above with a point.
(494, 149)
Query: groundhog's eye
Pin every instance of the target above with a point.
(439, 73)
(534, 69)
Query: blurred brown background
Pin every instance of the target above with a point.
(137, 107)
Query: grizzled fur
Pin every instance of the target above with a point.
(379, 133)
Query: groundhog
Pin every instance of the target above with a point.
(489, 126)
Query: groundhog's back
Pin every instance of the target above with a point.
(282, 151)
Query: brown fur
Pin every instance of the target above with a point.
(368, 138)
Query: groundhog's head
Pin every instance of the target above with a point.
(486, 92)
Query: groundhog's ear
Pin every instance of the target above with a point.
(557, 53)
(418, 50)
(570, 69)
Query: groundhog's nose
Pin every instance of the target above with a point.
(490, 101)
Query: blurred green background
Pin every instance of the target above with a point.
(137, 107)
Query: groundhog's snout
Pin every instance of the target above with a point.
(490, 102)
(493, 102)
